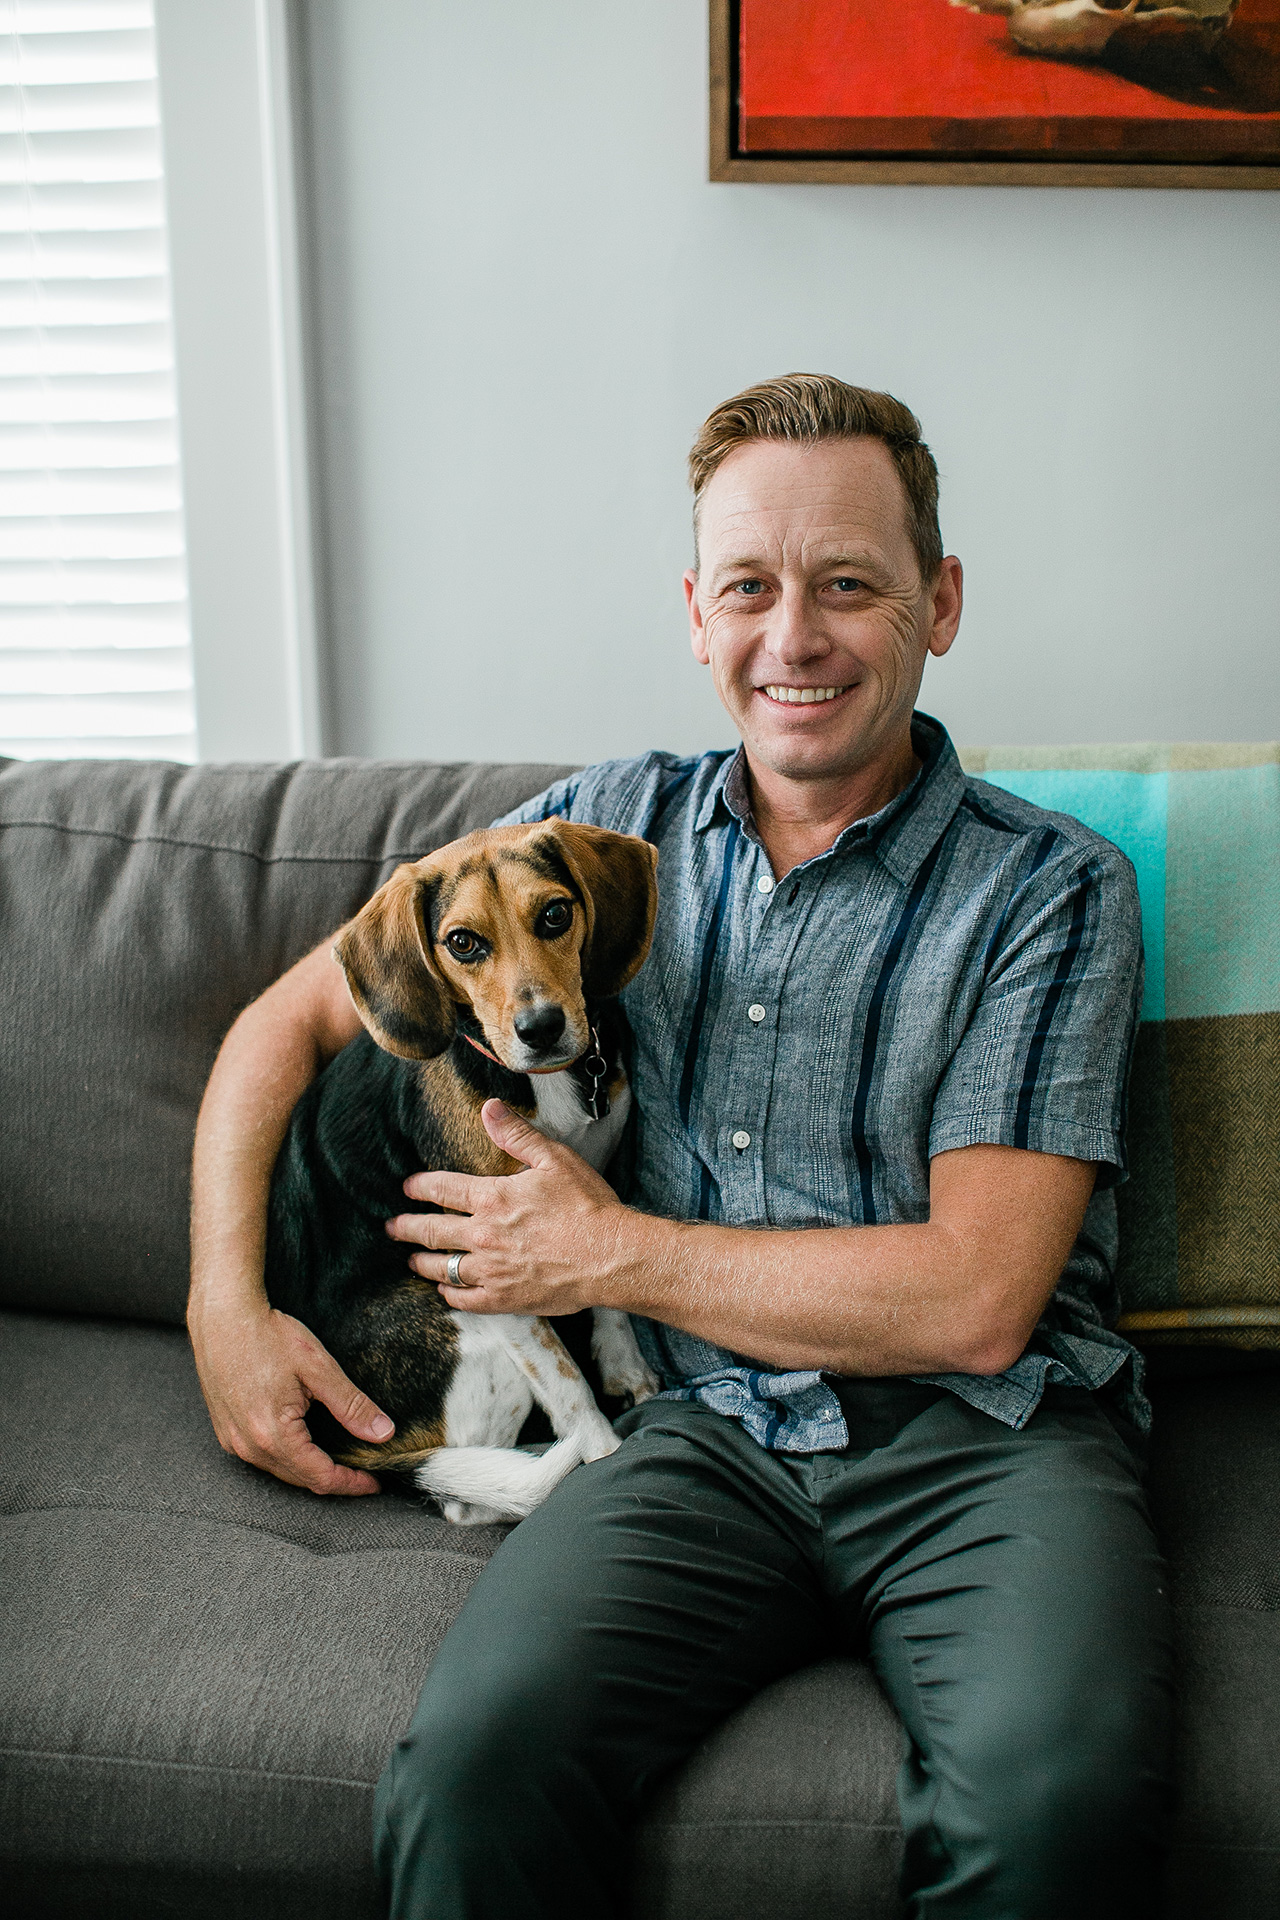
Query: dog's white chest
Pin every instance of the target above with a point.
(562, 1116)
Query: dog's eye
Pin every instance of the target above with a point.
(463, 944)
(555, 918)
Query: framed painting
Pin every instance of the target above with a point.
(997, 92)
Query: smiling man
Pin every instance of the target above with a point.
(867, 1234)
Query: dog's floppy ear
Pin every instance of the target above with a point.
(385, 954)
(616, 875)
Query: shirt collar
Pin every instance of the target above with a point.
(902, 833)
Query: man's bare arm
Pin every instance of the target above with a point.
(260, 1369)
(959, 1293)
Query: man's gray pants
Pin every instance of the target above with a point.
(1006, 1587)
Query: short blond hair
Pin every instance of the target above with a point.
(804, 408)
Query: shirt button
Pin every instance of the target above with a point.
(741, 1140)
(756, 1013)
(765, 883)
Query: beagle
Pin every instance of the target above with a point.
(488, 969)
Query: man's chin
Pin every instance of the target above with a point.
(797, 758)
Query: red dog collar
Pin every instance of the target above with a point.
(502, 1063)
(594, 1061)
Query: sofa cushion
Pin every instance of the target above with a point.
(142, 905)
(789, 1809)
(1224, 1862)
(1214, 1472)
(1200, 1216)
(203, 1671)
(105, 1417)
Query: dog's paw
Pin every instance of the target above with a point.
(632, 1385)
(465, 1513)
(624, 1374)
(596, 1440)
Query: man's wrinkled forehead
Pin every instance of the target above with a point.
(840, 499)
(753, 538)
(817, 538)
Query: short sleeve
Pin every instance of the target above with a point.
(1044, 1060)
(620, 794)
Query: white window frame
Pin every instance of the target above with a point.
(227, 126)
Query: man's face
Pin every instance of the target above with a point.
(808, 585)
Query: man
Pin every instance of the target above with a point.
(881, 1046)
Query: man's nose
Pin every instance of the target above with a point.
(794, 634)
(540, 1027)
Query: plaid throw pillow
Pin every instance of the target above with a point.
(1200, 1214)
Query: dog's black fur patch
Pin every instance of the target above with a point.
(358, 1132)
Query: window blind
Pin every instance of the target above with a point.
(95, 655)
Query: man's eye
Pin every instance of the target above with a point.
(751, 587)
(847, 584)
(464, 945)
(555, 918)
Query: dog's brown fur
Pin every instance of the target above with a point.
(424, 1001)
(408, 981)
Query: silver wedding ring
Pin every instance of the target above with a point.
(451, 1268)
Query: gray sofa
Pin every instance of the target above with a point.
(203, 1670)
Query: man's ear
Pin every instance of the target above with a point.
(616, 874)
(384, 953)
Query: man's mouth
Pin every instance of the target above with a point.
(802, 696)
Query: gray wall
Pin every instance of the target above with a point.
(527, 297)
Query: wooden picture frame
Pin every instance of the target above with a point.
(778, 150)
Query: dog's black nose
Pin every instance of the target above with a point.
(540, 1028)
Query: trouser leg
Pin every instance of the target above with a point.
(653, 1593)
(1018, 1614)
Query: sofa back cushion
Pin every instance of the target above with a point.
(142, 905)
(1200, 1214)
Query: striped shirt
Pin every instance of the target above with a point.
(959, 968)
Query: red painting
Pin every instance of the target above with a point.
(1109, 82)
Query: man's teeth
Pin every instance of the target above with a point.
(802, 696)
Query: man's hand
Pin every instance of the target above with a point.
(540, 1241)
(259, 1374)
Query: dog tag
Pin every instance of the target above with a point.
(595, 1066)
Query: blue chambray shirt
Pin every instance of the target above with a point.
(959, 968)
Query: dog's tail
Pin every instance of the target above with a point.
(504, 1480)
